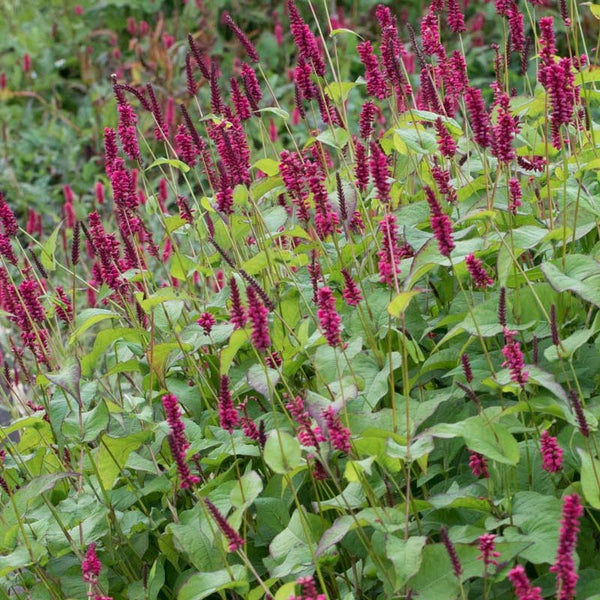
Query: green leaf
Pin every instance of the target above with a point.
(68, 378)
(418, 140)
(193, 537)
(268, 166)
(156, 578)
(406, 556)
(535, 517)
(278, 112)
(246, 490)
(436, 579)
(172, 162)
(103, 340)
(113, 453)
(547, 380)
(27, 495)
(594, 8)
(287, 590)
(159, 354)
(93, 423)
(282, 452)
(202, 585)
(47, 257)
(426, 115)
(21, 558)
(569, 345)
(238, 338)
(256, 264)
(400, 303)
(262, 379)
(336, 137)
(88, 318)
(338, 92)
(483, 436)
(341, 30)
(580, 275)
(291, 548)
(590, 472)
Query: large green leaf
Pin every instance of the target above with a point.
(406, 556)
(484, 436)
(202, 585)
(590, 477)
(580, 275)
(282, 452)
(113, 453)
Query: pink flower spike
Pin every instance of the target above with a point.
(361, 169)
(233, 537)
(258, 313)
(445, 141)
(352, 293)
(478, 117)
(243, 39)
(380, 172)
(376, 84)
(514, 358)
(308, 435)
(522, 585)
(481, 279)
(552, 454)
(206, 321)
(7, 218)
(456, 19)
(228, 415)
(487, 547)
(440, 224)
(389, 254)
(177, 440)
(328, 317)
(478, 465)
(238, 316)
(454, 560)
(564, 566)
(90, 566)
(339, 436)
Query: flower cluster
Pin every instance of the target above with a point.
(177, 440)
(514, 358)
(564, 566)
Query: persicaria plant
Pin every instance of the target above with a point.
(325, 326)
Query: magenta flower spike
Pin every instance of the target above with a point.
(481, 279)
(522, 585)
(238, 317)
(338, 434)
(440, 224)
(552, 453)
(177, 440)
(454, 560)
(478, 117)
(514, 358)
(233, 537)
(380, 172)
(478, 465)
(487, 547)
(564, 566)
(328, 317)
(243, 38)
(258, 313)
(228, 415)
(376, 84)
(352, 293)
(389, 254)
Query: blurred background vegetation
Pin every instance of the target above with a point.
(57, 58)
